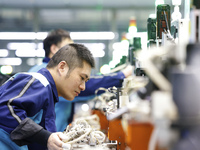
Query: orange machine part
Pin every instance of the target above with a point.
(116, 132)
(138, 135)
(102, 119)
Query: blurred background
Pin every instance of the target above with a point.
(25, 23)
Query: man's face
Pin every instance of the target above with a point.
(71, 85)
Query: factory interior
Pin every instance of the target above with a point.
(157, 106)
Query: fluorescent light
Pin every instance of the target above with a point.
(11, 61)
(105, 69)
(94, 45)
(159, 2)
(176, 2)
(34, 61)
(23, 52)
(97, 49)
(6, 69)
(122, 47)
(3, 52)
(17, 35)
(98, 53)
(42, 35)
(92, 35)
(22, 35)
(26, 49)
(20, 45)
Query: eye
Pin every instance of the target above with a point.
(82, 78)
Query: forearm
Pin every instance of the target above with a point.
(106, 81)
(28, 132)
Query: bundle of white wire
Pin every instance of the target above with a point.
(81, 131)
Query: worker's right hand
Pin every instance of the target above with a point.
(55, 142)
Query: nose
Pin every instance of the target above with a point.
(82, 86)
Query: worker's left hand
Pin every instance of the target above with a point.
(55, 141)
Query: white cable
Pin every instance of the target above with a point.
(80, 138)
(153, 139)
(80, 130)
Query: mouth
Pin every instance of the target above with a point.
(77, 93)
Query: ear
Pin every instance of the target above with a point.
(63, 67)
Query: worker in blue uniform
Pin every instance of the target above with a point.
(55, 40)
(26, 95)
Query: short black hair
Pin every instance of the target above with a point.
(54, 37)
(73, 54)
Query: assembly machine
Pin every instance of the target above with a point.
(157, 109)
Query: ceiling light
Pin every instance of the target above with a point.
(6, 69)
(11, 61)
(42, 35)
(3, 52)
(92, 35)
(23, 52)
(159, 2)
(19, 45)
(105, 69)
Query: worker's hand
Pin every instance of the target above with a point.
(55, 141)
(128, 71)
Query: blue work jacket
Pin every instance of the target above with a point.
(24, 96)
(64, 109)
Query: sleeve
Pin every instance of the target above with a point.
(28, 131)
(23, 98)
(106, 81)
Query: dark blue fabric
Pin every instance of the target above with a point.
(46, 60)
(40, 95)
(106, 81)
(64, 108)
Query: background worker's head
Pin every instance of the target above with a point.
(70, 68)
(55, 40)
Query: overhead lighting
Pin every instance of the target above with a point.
(3, 52)
(20, 45)
(159, 2)
(22, 35)
(97, 49)
(42, 35)
(105, 69)
(11, 61)
(92, 35)
(30, 52)
(34, 61)
(98, 53)
(176, 2)
(94, 45)
(6, 69)
(26, 49)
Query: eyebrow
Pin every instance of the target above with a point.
(86, 76)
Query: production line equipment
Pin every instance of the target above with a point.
(155, 110)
